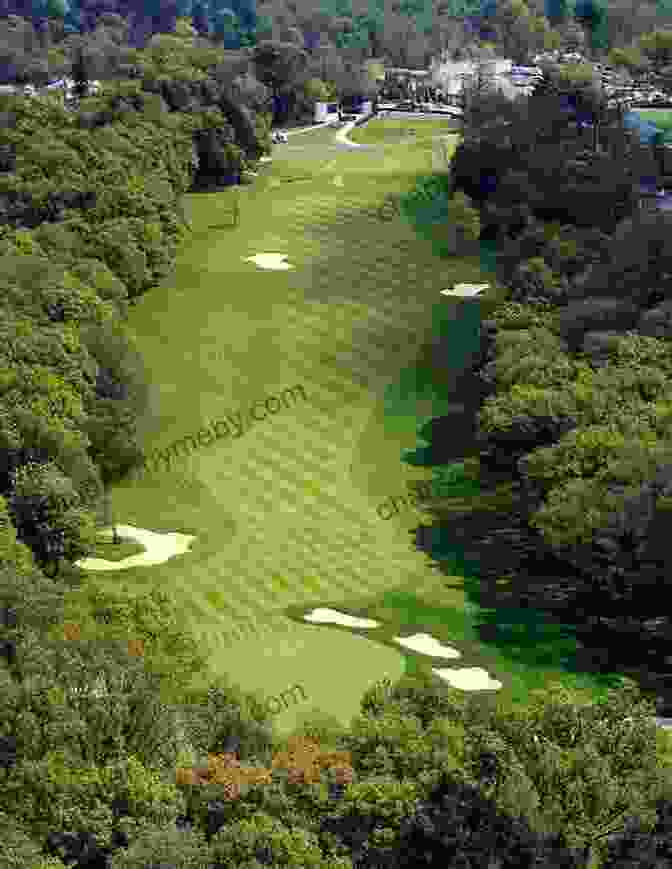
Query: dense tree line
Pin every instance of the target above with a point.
(575, 372)
(41, 41)
(90, 218)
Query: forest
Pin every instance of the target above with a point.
(574, 458)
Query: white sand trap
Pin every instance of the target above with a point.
(322, 616)
(338, 180)
(160, 547)
(468, 679)
(465, 290)
(265, 159)
(427, 645)
(270, 261)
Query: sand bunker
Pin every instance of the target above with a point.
(468, 679)
(160, 548)
(465, 290)
(270, 261)
(322, 616)
(265, 159)
(427, 645)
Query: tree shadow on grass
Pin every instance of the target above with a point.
(533, 607)
(536, 637)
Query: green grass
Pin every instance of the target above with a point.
(394, 131)
(285, 516)
(522, 652)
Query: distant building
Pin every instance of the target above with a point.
(453, 76)
(28, 90)
(67, 87)
(413, 79)
(64, 86)
(356, 105)
(526, 71)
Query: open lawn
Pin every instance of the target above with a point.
(392, 131)
(285, 513)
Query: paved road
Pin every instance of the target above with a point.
(339, 143)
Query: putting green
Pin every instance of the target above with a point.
(285, 514)
(396, 131)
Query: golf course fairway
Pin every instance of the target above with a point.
(283, 509)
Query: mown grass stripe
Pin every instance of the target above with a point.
(288, 471)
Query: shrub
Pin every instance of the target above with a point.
(515, 315)
(117, 246)
(593, 314)
(464, 225)
(636, 845)
(580, 453)
(166, 847)
(579, 507)
(457, 825)
(262, 839)
(533, 282)
(531, 356)
(107, 285)
(60, 794)
(19, 851)
(59, 242)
